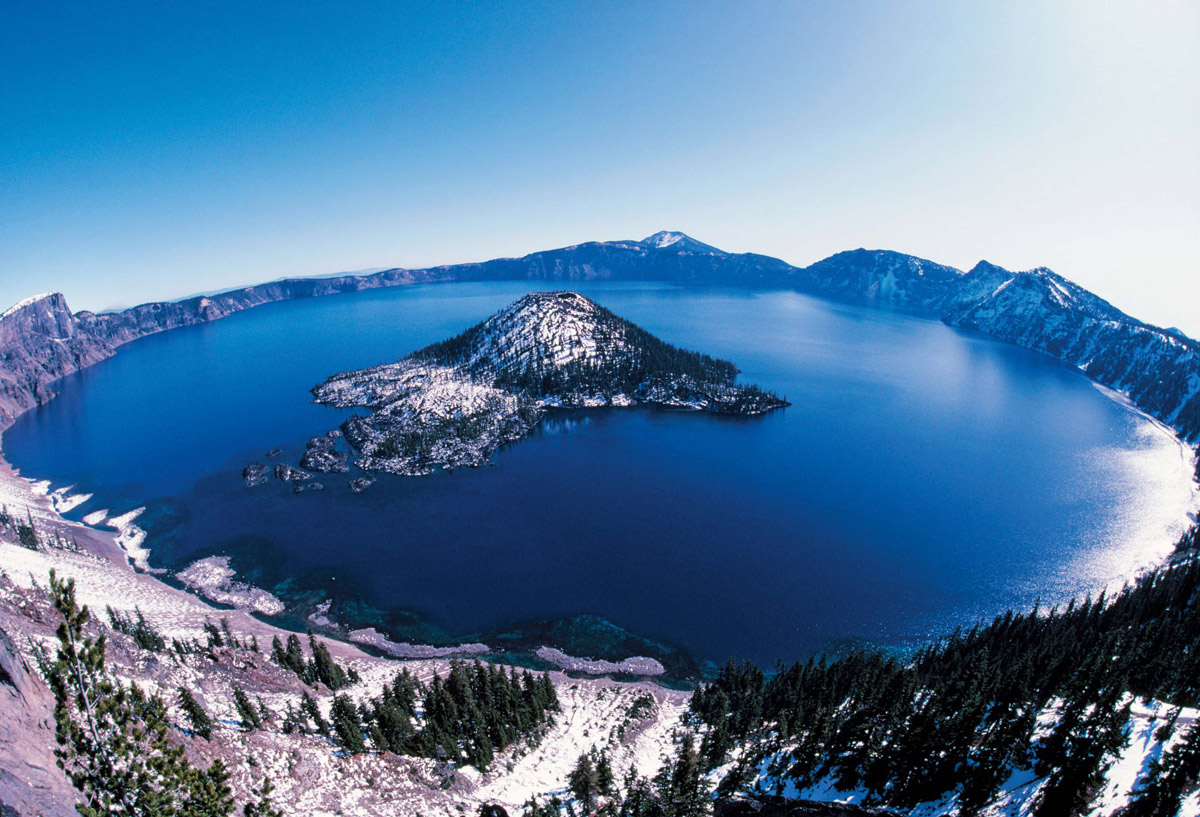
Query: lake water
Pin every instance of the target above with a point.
(922, 477)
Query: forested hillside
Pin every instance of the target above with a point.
(1046, 692)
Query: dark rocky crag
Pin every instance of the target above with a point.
(456, 402)
(1158, 369)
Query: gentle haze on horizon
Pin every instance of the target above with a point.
(150, 151)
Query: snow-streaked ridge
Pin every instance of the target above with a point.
(30, 301)
(673, 239)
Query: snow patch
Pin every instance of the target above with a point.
(132, 539)
(213, 579)
(64, 501)
(96, 517)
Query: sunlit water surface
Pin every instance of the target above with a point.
(922, 477)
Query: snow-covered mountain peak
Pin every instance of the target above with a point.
(1033, 290)
(545, 328)
(680, 242)
(664, 238)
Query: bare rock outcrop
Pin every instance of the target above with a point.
(30, 782)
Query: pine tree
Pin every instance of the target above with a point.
(294, 721)
(605, 779)
(551, 808)
(264, 714)
(324, 669)
(640, 799)
(293, 659)
(470, 714)
(230, 638)
(113, 739)
(1171, 778)
(1079, 758)
(347, 725)
(999, 749)
(200, 721)
(277, 654)
(249, 716)
(207, 794)
(681, 785)
(584, 782)
(136, 627)
(215, 639)
(27, 534)
(309, 707)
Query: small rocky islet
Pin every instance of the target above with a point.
(455, 403)
(322, 454)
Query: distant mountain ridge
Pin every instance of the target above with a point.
(1158, 369)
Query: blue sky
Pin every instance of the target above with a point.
(154, 150)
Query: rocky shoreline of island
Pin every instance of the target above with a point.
(455, 403)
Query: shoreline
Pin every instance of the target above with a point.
(216, 587)
(214, 590)
(310, 777)
(102, 557)
(129, 541)
(1190, 455)
(1122, 399)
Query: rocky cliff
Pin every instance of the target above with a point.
(42, 341)
(30, 782)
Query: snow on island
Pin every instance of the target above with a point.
(456, 402)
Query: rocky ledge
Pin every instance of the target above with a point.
(455, 403)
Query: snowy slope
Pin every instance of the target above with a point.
(1018, 796)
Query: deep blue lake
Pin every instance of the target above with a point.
(923, 477)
